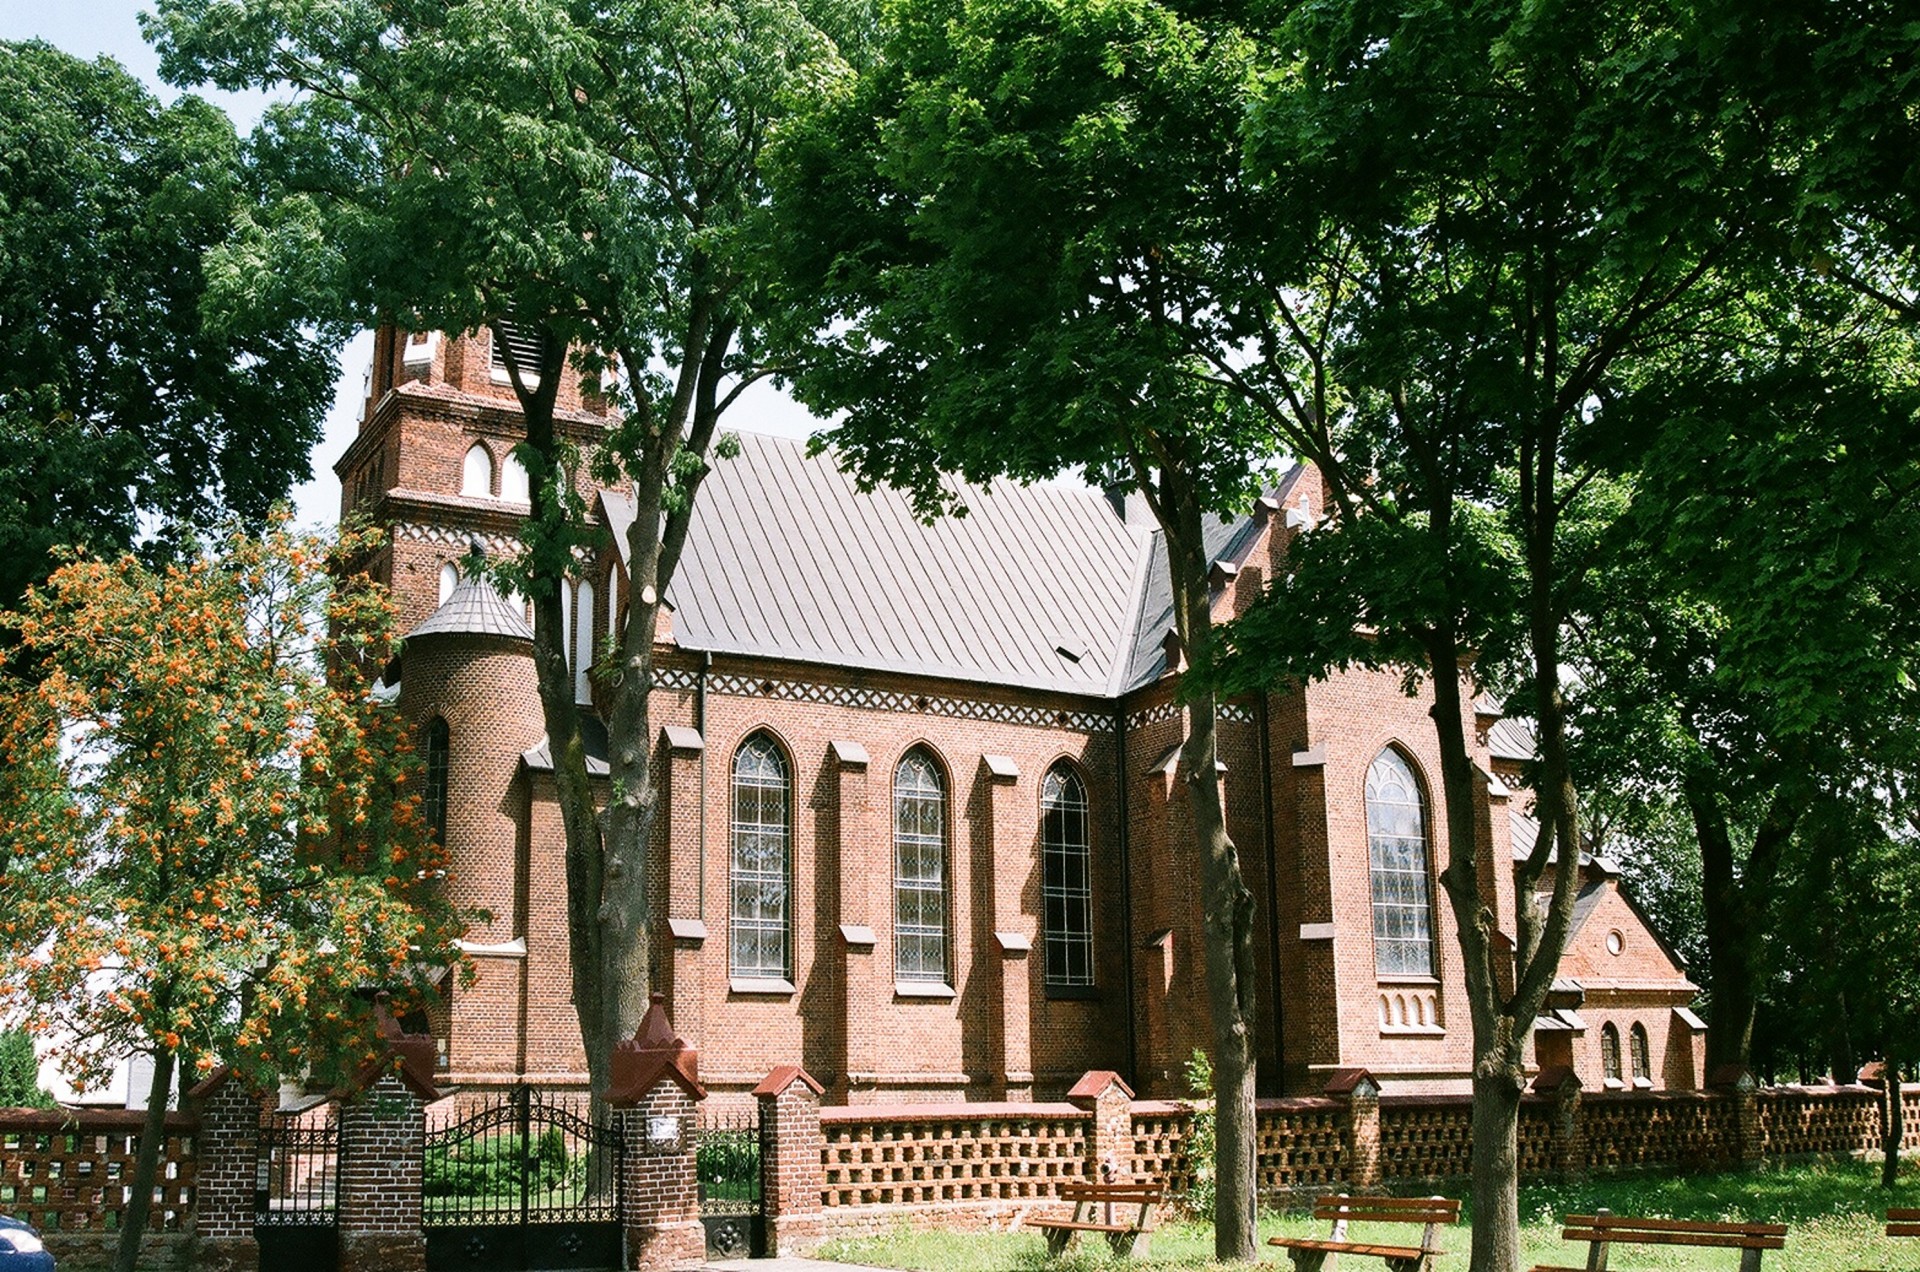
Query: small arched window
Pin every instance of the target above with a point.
(449, 579)
(476, 475)
(1642, 1054)
(762, 833)
(435, 801)
(513, 481)
(1610, 1053)
(1397, 858)
(919, 870)
(1066, 879)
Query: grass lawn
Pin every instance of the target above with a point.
(1835, 1211)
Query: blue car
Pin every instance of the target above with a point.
(21, 1249)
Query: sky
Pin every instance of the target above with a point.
(92, 28)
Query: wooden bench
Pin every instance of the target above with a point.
(1903, 1223)
(1313, 1255)
(1124, 1213)
(1603, 1230)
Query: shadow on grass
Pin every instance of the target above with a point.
(1834, 1208)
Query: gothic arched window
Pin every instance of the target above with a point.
(449, 579)
(513, 481)
(1610, 1053)
(434, 804)
(476, 475)
(1066, 879)
(761, 866)
(919, 870)
(1642, 1053)
(1397, 858)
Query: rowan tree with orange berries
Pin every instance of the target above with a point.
(211, 826)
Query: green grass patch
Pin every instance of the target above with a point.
(1835, 1211)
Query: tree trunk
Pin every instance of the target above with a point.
(1735, 918)
(1895, 1121)
(146, 1164)
(1496, 1168)
(1226, 900)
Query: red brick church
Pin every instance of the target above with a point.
(922, 831)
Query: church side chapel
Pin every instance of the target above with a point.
(923, 830)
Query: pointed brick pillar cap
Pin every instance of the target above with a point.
(1351, 1082)
(1730, 1077)
(411, 1056)
(777, 1082)
(654, 1053)
(1095, 1084)
(1556, 1078)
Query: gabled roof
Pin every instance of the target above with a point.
(474, 609)
(788, 558)
(1040, 587)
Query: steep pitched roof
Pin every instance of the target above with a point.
(474, 609)
(788, 558)
(1042, 586)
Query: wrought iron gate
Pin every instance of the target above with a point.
(728, 1146)
(525, 1179)
(296, 1213)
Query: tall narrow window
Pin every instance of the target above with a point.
(1610, 1053)
(1066, 882)
(760, 869)
(1397, 849)
(449, 579)
(919, 871)
(476, 475)
(435, 802)
(1642, 1054)
(583, 645)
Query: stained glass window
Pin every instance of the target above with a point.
(919, 871)
(1066, 879)
(761, 867)
(1397, 848)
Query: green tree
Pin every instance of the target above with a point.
(988, 243)
(1751, 651)
(126, 409)
(215, 832)
(20, 1073)
(584, 172)
(1545, 208)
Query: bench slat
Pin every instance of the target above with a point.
(1633, 1236)
(1350, 1247)
(1348, 1202)
(1902, 1214)
(1675, 1225)
(1109, 1192)
(1077, 1226)
(1903, 1229)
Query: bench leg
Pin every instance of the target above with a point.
(1057, 1239)
(1310, 1260)
(1130, 1244)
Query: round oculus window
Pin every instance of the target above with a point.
(1616, 942)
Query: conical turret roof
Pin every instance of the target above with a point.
(475, 609)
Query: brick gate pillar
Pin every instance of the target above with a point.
(1360, 1129)
(1562, 1086)
(228, 1152)
(382, 1161)
(1109, 1101)
(654, 1088)
(1734, 1084)
(791, 1176)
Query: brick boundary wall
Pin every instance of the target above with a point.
(63, 1172)
(842, 1171)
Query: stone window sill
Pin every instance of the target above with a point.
(1074, 993)
(769, 985)
(921, 989)
(1412, 1031)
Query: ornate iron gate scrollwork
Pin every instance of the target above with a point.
(296, 1216)
(524, 1178)
(728, 1149)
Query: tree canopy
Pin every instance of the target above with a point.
(130, 409)
(588, 174)
(214, 832)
